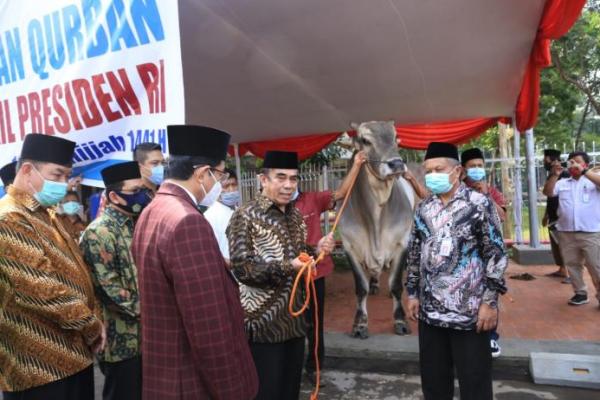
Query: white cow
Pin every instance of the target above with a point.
(376, 224)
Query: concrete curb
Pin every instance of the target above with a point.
(400, 354)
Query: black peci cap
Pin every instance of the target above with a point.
(44, 148)
(198, 141)
(120, 172)
(8, 173)
(441, 149)
(470, 154)
(281, 159)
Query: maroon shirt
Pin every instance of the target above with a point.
(193, 340)
(311, 206)
(494, 193)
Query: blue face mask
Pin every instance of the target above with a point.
(52, 192)
(230, 199)
(135, 202)
(158, 174)
(71, 207)
(438, 183)
(476, 174)
(295, 195)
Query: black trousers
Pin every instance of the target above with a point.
(443, 349)
(310, 330)
(279, 367)
(122, 379)
(75, 387)
(558, 260)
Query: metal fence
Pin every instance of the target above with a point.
(313, 178)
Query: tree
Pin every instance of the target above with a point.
(576, 56)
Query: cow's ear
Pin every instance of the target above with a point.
(354, 125)
(392, 122)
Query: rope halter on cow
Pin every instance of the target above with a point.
(388, 177)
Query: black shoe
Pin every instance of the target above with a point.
(579, 299)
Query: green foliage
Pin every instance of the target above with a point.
(327, 155)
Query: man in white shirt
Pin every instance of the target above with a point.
(219, 214)
(578, 223)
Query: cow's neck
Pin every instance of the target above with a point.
(381, 189)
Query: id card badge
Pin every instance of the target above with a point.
(586, 196)
(446, 247)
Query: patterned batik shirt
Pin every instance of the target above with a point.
(263, 241)
(106, 246)
(456, 259)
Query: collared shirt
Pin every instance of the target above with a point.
(49, 315)
(194, 200)
(264, 241)
(456, 259)
(578, 205)
(218, 216)
(106, 246)
(311, 206)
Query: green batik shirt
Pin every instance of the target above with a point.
(106, 247)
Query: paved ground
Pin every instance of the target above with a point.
(531, 310)
(344, 385)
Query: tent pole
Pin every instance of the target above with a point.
(518, 192)
(238, 170)
(532, 189)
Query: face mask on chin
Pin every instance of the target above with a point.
(213, 194)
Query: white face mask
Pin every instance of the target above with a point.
(213, 194)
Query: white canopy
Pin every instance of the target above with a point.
(266, 69)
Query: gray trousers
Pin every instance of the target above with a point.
(577, 248)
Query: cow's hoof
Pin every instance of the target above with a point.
(373, 290)
(360, 332)
(401, 328)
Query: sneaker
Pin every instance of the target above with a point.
(579, 299)
(496, 349)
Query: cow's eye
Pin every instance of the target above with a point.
(365, 142)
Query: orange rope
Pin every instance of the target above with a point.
(308, 271)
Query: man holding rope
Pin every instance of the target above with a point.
(266, 238)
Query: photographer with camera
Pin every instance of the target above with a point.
(578, 224)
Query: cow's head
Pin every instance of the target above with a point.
(378, 140)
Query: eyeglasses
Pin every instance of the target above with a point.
(222, 176)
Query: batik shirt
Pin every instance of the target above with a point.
(456, 259)
(263, 241)
(106, 246)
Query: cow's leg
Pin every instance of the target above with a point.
(360, 326)
(374, 285)
(400, 325)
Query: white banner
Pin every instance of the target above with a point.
(105, 74)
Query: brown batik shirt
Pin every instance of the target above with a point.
(263, 241)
